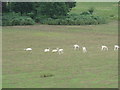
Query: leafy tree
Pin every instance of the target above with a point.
(22, 7)
(4, 7)
(50, 9)
(54, 9)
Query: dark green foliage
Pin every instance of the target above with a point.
(38, 11)
(11, 19)
(6, 7)
(23, 7)
(22, 21)
(40, 18)
(52, 13)
(91, 10)
(100, 20)
(32, 15)
(76, 20)
(54, 9)
(51, 9)
(85, 13)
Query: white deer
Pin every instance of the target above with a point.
(104, 48)
(47, 50)
(60, 51)
(76, 46)
(55, 50)
(84, 49)
(28, 49)
(116, 47)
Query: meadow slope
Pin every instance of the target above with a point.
(72, 69)
(104, 9)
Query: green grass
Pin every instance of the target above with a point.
(105, 9)
(73, 69)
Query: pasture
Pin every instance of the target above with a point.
(72, 69)
(105, 9)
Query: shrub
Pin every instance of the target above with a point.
(40, 18)
(100, 20)
(32, 15)
(76, 20)
(11, 19)
(15, 21)
(91, 10)
(85, 13)
(29, 21)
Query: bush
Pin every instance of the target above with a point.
(100, 20)
(91, 10)
(11, 19)
(76, 20)
(32, 15)
(84, 18)
(40, 18)
(29, 21)
(7, 17)
(22, 21)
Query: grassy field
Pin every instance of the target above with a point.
(73, 69)
(105, 9)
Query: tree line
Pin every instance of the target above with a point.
(49, 9)
(50, 13)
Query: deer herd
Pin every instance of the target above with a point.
(75, 47)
